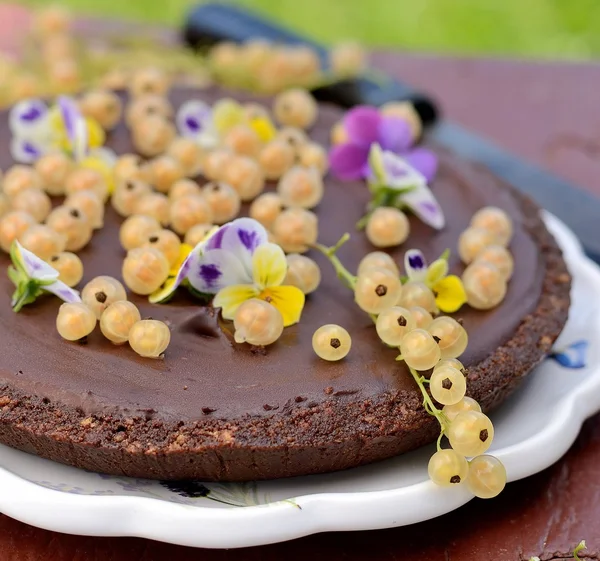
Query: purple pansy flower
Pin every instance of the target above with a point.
(364, 126)
(194, 120)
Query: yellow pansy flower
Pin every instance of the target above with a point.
(269, 268)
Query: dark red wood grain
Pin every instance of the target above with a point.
(547, 112)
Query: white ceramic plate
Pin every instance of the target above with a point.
(533, 429)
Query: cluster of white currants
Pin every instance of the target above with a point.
(104, 299)
(267, 67)
(26, 212)
(483, 248)
(430, 347)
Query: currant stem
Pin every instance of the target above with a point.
(429, 405)
(330, 252)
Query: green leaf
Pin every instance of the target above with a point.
(26, 293)
(445, 254)
(579, 548)
(15, 276)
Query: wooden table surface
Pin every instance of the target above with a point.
(547, 112)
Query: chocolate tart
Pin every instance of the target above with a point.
(217, 411)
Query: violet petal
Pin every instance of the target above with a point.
(348, 160)
(395, 134)
(423, 160)
(362, 125)
(215, 269)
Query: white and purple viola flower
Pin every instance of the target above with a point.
(395, 178)
(32, 277)
(236, 263)
(38, 129)
(194, 120)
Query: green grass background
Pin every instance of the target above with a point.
(565, 29)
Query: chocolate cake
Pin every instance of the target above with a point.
(217, 411)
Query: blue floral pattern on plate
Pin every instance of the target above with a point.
(572, 356)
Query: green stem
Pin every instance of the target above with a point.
(330, 252)
(429, 405)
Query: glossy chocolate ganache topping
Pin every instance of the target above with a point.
(228, 397)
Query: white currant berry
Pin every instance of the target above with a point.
(418, 294)
(387, 227)
(470, 433)
(258, 323)
(75, 321)
(73, 224)
(136, 230)
(377, 290)
(473, 241)
(465, 404)
(451, 337)
(302, 273)
(266, 208)
(118, 319)
(101, 292)
(484, 284)
(43, 241)
(487, 476)
(419, 350)
(149, 338)
(145, 269)
(495, 220)
(69, 267)
(296, 229)
(301, 187)
(447, 385)
(393, 324)
(331, 342)
(447, 467)
(498, 256)
(12, 226)
(380, 260)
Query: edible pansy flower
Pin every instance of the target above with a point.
(449, 291)
(364, 126)
(227, 113)
(38, 130)
(269, 268)
(32, 277)
(229, 265)
(194, 120)
(394, 182)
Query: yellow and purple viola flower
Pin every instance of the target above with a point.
(32, 277)
(397, 183)
(237, 263)
(38, 129)
(364, 126)
(448, 289)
